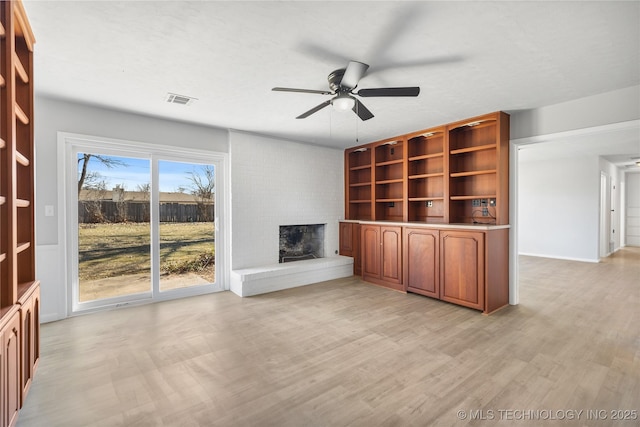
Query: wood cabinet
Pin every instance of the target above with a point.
(29, 303)
(350, 244)
(454, 174)
(381, 251)
(19, 289)
(10, 396)
(421, 259)
(462, 268)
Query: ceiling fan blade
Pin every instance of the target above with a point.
(288, 89)
(352, 75)
(362, 111)
(389, 91)
(314, 110)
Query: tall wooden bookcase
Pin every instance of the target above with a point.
(19, 289)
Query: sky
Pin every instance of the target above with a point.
(135, 172)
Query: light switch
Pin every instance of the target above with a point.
(48, 210)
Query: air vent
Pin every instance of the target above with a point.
(180, 99)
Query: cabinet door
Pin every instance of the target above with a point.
(462, 268)
(391, 254)
(370, 251)
(11, 367)
(421, 257)
(346, 239)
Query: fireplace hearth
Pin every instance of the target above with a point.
(301, 242)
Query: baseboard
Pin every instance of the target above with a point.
(559, 257)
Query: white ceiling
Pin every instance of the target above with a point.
(469, 58)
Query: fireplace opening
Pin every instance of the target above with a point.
(300, 242)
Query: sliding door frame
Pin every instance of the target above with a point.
(69, 144)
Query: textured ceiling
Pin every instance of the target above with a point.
(469, 58)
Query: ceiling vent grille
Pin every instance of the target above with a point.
(180, 99)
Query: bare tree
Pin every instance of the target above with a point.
(95, 194)
(121, 204)
(202, 186)
(86, 175)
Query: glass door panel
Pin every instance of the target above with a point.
(186, 224)
(114, 233)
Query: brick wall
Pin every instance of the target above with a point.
(277, 182)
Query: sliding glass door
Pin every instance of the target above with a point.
(144, 223)
(113, 226)
(186, 217)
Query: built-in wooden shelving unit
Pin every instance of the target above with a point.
(455, 173)
(19, 289)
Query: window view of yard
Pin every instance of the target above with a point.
(114, 229)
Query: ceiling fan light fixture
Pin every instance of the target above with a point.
(343, 102)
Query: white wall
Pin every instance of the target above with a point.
(558, 210)
(56, 115)
(276, 182)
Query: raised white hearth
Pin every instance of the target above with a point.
(276, 277)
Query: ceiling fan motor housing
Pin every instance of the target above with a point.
(335, 78)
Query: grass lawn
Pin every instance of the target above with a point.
(122, 249)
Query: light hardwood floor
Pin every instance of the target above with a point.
(348, 353)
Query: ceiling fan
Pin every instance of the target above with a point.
(343, 83)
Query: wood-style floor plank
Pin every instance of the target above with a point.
(346, 353)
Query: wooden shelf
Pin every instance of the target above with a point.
(20, 203)
(23, 246)
(388, 200)
(20, 70)
(424, 199)
(21, 115)
(390, 181)
(472, 149)
(22, 159)
(472, 173)
(425, 156)
(474, 124)
(360, 201)
(426, 175)
(360, 184)
(475, 196)
(357, 168)
(389, 162)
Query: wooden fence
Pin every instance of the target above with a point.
(109, 211)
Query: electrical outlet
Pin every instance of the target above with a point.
(393, 150)
(429, 203)
(483, 202)
(391, 204)
(485, 212)
(492, 202)
(475, 203)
